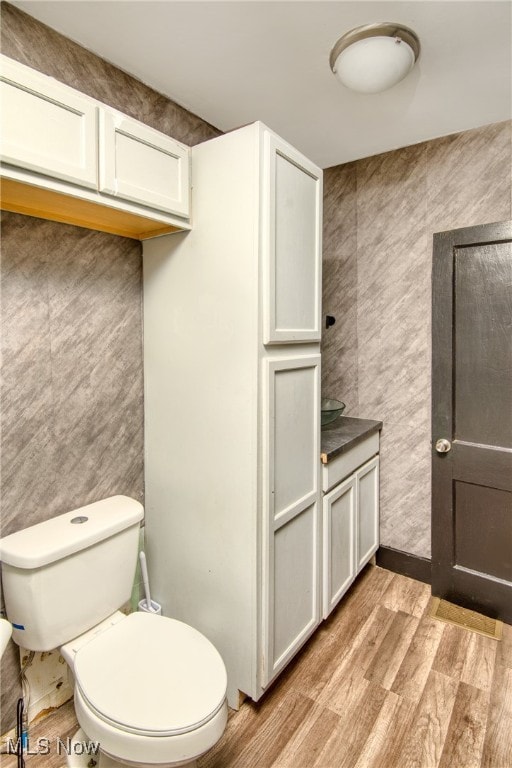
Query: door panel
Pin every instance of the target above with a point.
(292, 210)
(60, 137)
(472, 408)
(140, 164)
(295, 245)
(295, 403)
(367, 479)
(483, 464)
(295, 585)
(485, 511)
(291, 508)
(483, 345)
(338, 535)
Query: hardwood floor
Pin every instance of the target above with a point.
(381, 685)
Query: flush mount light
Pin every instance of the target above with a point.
(375, 57)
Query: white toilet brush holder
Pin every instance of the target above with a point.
(155, 607)
(147, 605)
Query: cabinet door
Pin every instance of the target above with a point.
(339, 570)
(367, 478)
(46, 126)
(291, 246)
(291, 509)
(140, 164)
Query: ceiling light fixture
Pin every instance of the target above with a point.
(374, 57)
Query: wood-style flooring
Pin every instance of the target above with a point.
(380, 685)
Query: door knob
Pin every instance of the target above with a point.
(443, 445)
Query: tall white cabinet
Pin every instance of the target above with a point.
(232, 399)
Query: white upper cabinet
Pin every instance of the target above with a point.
(140, 164)
(69, 158)
(46, 126)
(292, 225)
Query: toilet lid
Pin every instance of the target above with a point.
(151, 675)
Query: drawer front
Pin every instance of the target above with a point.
(46, 126)
(344, 464)
(142, 165)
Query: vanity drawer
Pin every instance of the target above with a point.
(343, 465)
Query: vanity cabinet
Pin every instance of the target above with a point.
(350, 518)
(67, 157)
(232, 406)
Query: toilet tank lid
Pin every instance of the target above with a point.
(65, 534)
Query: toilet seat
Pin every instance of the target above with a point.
(151, 676)
(159, 751)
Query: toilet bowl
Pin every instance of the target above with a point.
(149, 689)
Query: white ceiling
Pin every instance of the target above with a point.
(234, 62)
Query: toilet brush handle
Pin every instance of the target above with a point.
(145, 578)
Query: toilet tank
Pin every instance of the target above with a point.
(65, 575)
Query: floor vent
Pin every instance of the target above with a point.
(463, 617)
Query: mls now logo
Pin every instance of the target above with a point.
(43, 746)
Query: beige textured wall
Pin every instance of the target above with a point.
(72, 387)
(380, 215)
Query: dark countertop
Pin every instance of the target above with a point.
(343, 434)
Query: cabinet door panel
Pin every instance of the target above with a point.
(291, 244)
(140, 164)
(295, 404)
(294, 600)
(47, 127)
(339, 510)
(292, 433)
(291, 511)
(368, 511)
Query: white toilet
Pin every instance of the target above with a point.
(151, 690)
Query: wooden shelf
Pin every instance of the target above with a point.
(42, 203)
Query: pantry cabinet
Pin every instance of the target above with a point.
(350, 518)
(232, 406)
(67, 157)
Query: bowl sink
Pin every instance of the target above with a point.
(331, 409)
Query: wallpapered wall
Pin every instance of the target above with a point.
(72, 386)
(379, 217)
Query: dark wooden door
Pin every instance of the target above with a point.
(472, 413)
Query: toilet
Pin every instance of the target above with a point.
(150, 690)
